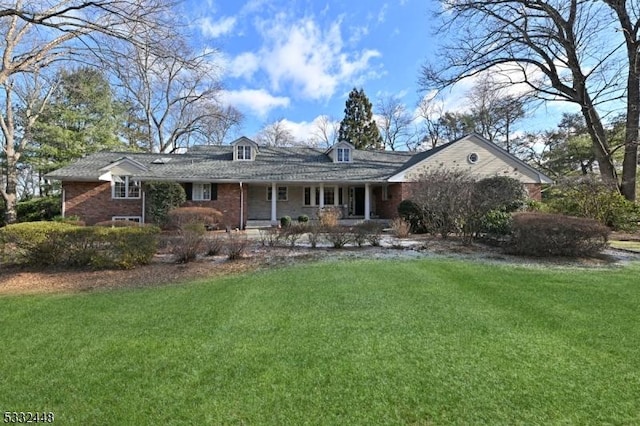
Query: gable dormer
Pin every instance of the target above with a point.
(244, 149)
(341, 152)
(124, 166)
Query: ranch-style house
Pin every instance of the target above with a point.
(249, 183)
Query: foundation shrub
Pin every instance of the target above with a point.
(21, 242)
(541, 234)
(285, 221)
(209, 217)
(303, 218)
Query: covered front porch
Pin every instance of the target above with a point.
(355, 202)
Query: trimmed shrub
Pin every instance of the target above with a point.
(495, 224)
(160, 198)
(541, 234)
(207, 216)
(285, 221)
(38, 209)
(303, 218)
(44, 244)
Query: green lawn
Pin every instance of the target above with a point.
(361, 342)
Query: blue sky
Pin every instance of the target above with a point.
(298, 59)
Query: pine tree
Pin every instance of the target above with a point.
(358, 127)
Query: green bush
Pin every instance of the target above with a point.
(541, 234)
(43, 244)
(285, 221)
(303, 218)
(38, 209)
(590, 198)
(160, 198)
(495, 224)
(413, 215)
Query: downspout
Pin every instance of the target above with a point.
(241, 207)
(63, 201)
(144, 199)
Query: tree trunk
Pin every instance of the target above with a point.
(10, 193)
(601, 148)
(630, 162)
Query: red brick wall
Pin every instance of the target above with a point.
(388, 209)
(228, 203)
(93, 203)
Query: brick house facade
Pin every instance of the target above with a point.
(244, 181)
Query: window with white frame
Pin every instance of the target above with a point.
(201, 192)
(125, 187)
(282, 193)
(343, 155)
(329, 196)
(385, 193)
(243, 152)
(311, 196)
(307, 201)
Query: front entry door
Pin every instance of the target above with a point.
(356, 201)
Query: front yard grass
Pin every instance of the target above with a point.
(360, 342)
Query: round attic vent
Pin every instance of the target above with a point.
(473, 158)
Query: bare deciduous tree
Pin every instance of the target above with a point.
(276, 134)
(39, 34)
(569, 50)
(395, 123)
(325, 131)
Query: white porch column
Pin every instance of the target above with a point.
(367, 201)
(274, 198)
(321, 195)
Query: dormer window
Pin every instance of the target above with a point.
(244, 152)
(343, 155)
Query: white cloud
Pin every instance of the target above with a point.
(259, 102)
(218, 28)
(244, 65)
(382, 15)
(310, 60)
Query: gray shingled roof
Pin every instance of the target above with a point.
(271, 164)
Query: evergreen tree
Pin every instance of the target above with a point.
(81, 118)
(358, 127)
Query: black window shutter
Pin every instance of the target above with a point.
(214, 191)
(188, 189)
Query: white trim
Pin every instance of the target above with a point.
(200, 193)
(270, 193)
(367, 201)
(127, 183)
(125, 160)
